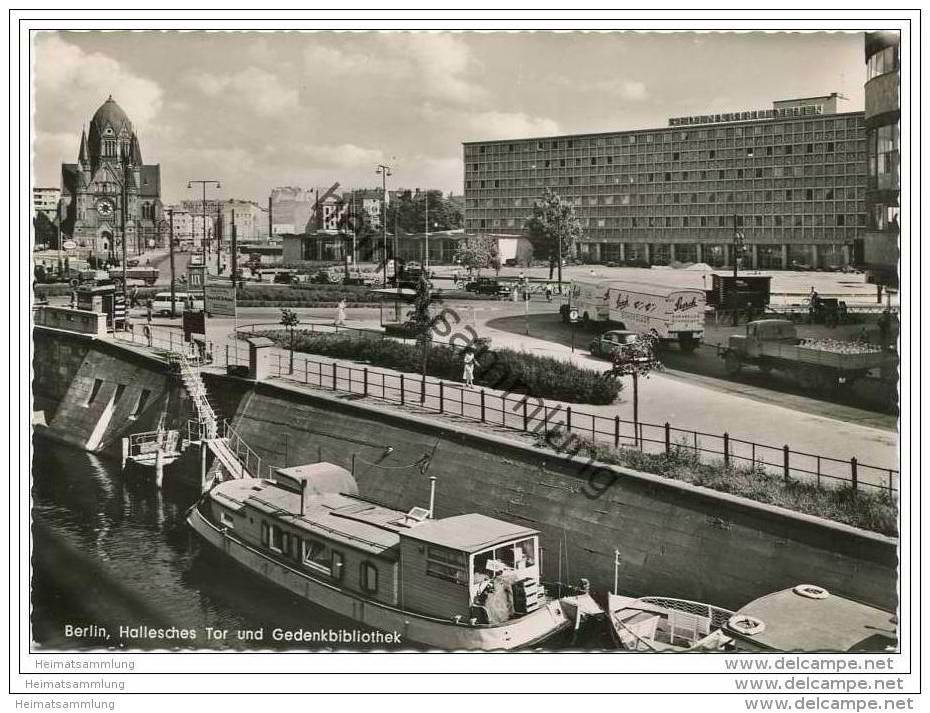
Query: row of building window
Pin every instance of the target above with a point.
(675, 176)
(822, 193)
(702, 221)
(668, 136)
(813, 149)
(882, 62)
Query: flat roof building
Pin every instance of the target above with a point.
(883, 142)
(791, 177)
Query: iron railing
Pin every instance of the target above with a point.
(532, 415)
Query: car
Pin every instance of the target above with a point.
(488, 286)
(609, 343)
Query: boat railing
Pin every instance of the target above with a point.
(717, 616)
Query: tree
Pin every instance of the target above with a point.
(290, 320)
(422, 323)
(637, 359)
(553, 229)
(477, 253)
(407, 210)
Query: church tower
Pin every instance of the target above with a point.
(109, 194)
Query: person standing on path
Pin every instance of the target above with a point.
(468, 371)
(341, 313)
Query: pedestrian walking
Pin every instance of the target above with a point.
(548, 293)
(134, 297)
(148, 310)
(468, 370)
(147, 333)
(341, 313)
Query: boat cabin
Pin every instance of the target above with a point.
(472, 566)
(809, 618)
(469, 568)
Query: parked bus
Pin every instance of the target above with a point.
(668, 313)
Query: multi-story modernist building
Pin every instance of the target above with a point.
(45, 200)
(792, 179)
(882, 137)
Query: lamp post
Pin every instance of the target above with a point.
(384, 171)
(203, 243)
(739, 245)
(161, 225)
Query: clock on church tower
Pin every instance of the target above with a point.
(105, 207)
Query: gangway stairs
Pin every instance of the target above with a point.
(232, 456)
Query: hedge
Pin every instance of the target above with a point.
(869, 509)
(498, 368)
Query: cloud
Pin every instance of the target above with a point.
(264, 93)
(436, 66)
(489, 125)
(68, 80)
(633, 90)
(342, 155)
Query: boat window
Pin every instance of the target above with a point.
(318, 555)
(277, 539)
(505, 556)
(338, 562)
(446, 564)
(526, 553)
(226, 519)
(368, 577)
(266, 536)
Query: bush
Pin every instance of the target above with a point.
(867, 508)
(504, 369)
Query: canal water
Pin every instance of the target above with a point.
(113, 559)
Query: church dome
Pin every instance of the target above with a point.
(110, 124)
(111, 114)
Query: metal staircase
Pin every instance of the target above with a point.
(232, 456)
(194, 385)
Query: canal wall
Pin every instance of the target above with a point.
(674, 539)
(91, 393)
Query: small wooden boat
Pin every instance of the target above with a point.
(666, 624)
(462, 582)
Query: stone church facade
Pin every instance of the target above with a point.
(110, 195)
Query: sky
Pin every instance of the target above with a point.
(259, 110)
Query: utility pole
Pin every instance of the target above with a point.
(384, 171)
(170, 212)
(218, 231)
(124, 198)
(235, 248)
(426, 262)
(203, 243)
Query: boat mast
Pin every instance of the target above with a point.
(616, 569)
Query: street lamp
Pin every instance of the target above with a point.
(384, 171)
(739, 246)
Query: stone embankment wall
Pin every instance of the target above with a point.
(674, 539)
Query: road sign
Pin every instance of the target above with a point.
(573, 315)
(193, 322)
(69, 245)
(220, 299)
